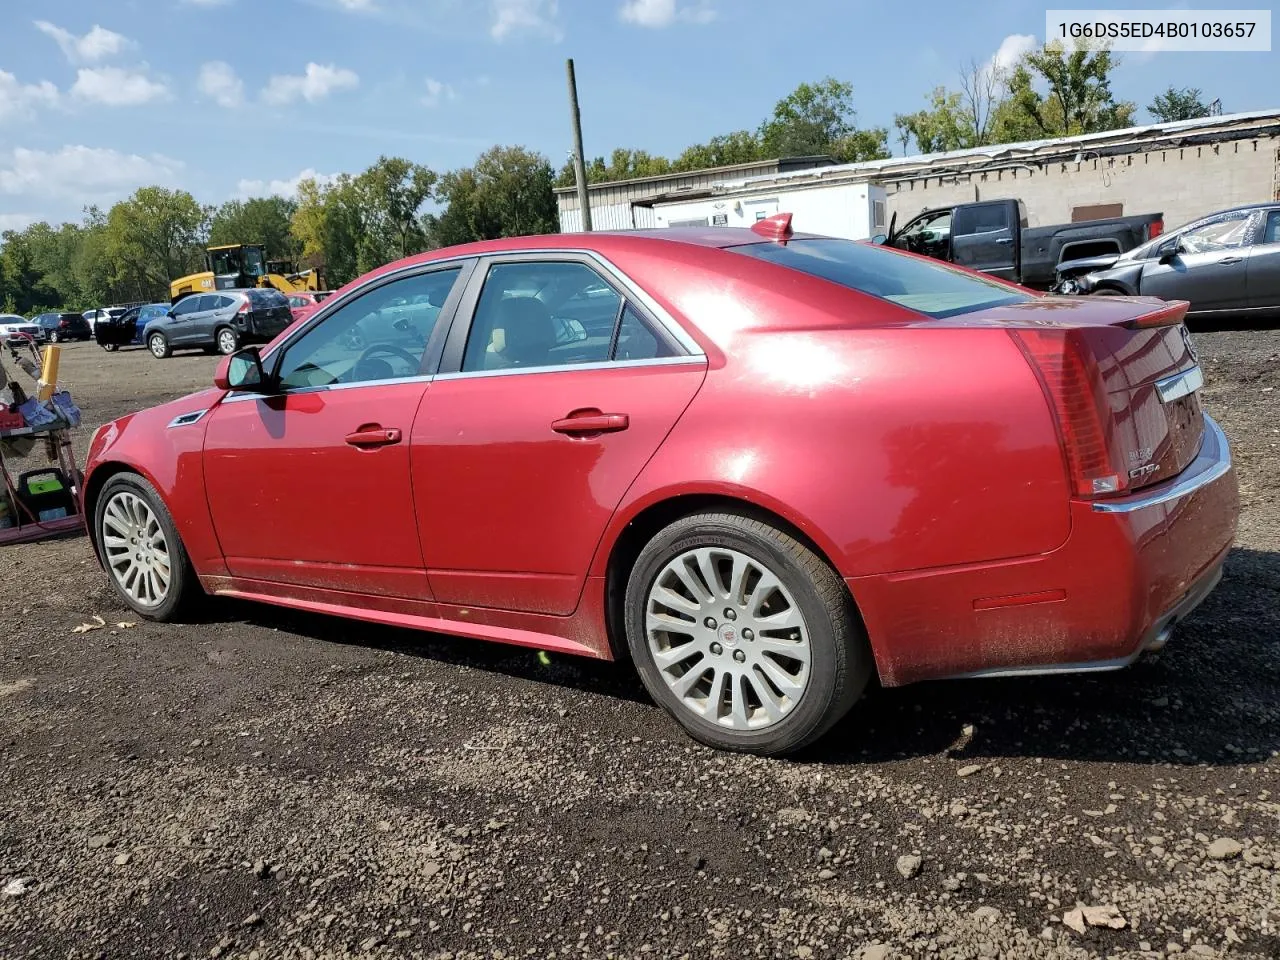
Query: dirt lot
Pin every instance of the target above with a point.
(267, 784)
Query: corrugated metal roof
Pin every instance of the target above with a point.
(1227, 126)
(805, 163)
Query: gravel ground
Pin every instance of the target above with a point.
(267, 784)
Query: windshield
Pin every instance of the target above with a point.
(928, 287)
(253, 262)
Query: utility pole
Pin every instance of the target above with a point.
(579, 162)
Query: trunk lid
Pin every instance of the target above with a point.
(1122, 376)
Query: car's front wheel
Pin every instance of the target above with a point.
(158, 344)
(140, 549)
(744, 634)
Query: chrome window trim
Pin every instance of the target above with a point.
(1211, 464)
(571, 367)
(187, 419)
(669, 323)
(1181, 384)
(238, 397)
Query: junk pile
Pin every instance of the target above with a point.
(42, 498)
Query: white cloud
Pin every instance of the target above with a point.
(21, 99)
(116, 87)
(315, 84)
(95, 45)
(219, 82)
(539, 17)
(79, 173)
(663, 13)
(1012, 48)
(16, 221)
(282, 188)
(438, 92)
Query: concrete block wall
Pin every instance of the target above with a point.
(1182, 182)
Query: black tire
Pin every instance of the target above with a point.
(841, 663)
(184, 589)
(226, 341)
(1108, 292)
(110, 347)
(159, 346)
(55, 337)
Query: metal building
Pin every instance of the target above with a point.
(612, 203)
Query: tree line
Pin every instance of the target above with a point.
(356, 222)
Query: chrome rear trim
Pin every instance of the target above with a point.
(1181, 384)
(1211, 464)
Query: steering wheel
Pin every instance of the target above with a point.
(377, 348)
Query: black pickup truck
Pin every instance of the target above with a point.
(993, 236)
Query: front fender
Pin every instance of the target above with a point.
(165, 447)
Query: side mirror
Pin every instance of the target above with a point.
(1168, 250)
(879, 239)
(240, 371)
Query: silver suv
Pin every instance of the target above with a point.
(221, 321)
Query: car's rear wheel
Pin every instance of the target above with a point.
(226, 341)
(744, 634)
(55, 337)
(140, 549)
(158, 344)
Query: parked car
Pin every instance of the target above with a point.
(219, 321)
(303, 303)
(112, 333)
(993, 237)
(12, 325)
(61, 327)
(93, 317)
(790, 464)
(1225, 263)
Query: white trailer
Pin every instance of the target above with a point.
(852, 209)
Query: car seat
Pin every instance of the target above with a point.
(523, 334)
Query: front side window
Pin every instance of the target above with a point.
(226, 262)
(187, 306)
(380, 335)
(253, 262)
(1221, 233)
(931, 288)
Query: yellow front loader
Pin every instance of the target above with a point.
(238, 265)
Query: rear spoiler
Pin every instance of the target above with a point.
(1170, 313)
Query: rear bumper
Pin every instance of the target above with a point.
(1131, 569)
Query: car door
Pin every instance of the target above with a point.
(534, 429)
(1209, 267)
(982, 238)
(181, 327)
(309, 485)
(1262, 272)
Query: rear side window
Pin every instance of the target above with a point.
(980, 218)
(928, 287)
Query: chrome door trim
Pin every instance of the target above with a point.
(573, 367)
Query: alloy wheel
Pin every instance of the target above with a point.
(226, 342)
(136, 549)
(157, 347)
(728, 638)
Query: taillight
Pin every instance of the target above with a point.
(244, 309)
(1071, 382)
(1155, 228)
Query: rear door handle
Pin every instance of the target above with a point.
(1231, 260)
(373, 436)
(1005, 240)
(591, 422)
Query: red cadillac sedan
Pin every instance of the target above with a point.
(763, 466)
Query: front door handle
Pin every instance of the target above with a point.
(588, 422)
(1005, 240)
(372, 435)
(1231, 260)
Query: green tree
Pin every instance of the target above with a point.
(23, 292)
(941, 127)
(389, 198)
(1178, 104)
(809, 119)
(726, 150)
(507, 193)
(1079, 98)
(264, 220)
(623, 164)
(154, 237)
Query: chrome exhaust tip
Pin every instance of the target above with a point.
(1157, 642)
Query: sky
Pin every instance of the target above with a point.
(232, 98)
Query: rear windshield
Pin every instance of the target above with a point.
(268, 298)
(925, 286)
